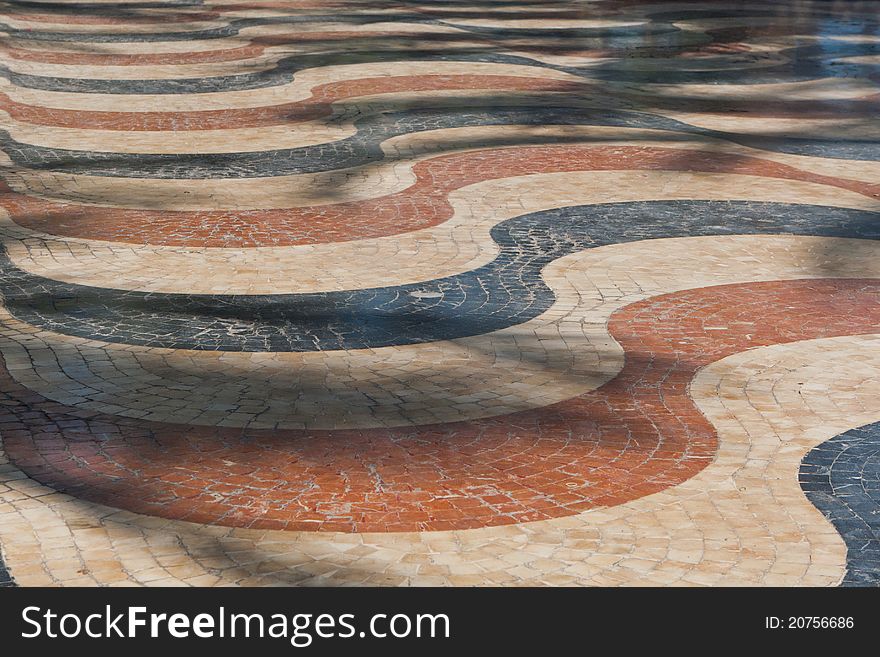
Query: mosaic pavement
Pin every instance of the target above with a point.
(505, 292)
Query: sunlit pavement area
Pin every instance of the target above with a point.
(501, 292)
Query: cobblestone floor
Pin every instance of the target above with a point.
(453, 293)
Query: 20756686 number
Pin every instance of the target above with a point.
(809, 622)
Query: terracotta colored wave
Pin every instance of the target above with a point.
(137, 59)
(638, 434)
(422, 205)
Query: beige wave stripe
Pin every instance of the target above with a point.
(262, 63)
(390, 175)
(564, 352)
(231, 140)
(298, 89)
(123, 48)
(742, 521)
(460, 244)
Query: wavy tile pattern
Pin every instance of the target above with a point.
(325, 291)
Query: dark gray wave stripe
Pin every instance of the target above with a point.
(507, 291)
(841, 477)
(364, 147)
